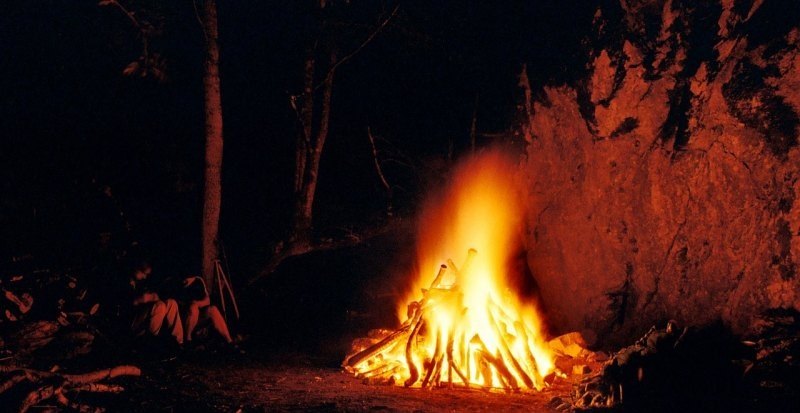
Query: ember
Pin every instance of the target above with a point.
(467, 327)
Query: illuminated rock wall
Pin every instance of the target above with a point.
(664, 183)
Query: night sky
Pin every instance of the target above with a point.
(75, 130)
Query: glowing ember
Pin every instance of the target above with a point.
(463, 323)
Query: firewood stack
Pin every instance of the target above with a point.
(40, 306)
(47, 317)
(61, 391)
(427, 352)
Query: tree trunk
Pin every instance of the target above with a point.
(212, 197)
(307, 119)
(310, 152)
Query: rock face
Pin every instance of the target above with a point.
(663, 184)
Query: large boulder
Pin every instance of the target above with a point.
(663, 184)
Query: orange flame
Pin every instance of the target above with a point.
(468, 326)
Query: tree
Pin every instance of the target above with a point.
(313, 109)
(151, 64)
(314, 119)
(212, 188)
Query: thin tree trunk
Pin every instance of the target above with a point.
(301, 233)
(212, 197)
(307, 119)
(379, 170)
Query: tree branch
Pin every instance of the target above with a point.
(143, 32)
(124, 10)
(378, 169)
(367, 41)
(283, 252)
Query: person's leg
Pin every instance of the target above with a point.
(173, 319)
(157, 312)
(217, 322)
(192, 317)
(140, 323)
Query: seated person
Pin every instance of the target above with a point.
(200, 311)
(151, 314)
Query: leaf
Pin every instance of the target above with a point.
(131, 69)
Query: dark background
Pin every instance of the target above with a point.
(87, 151)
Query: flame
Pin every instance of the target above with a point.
(463, 323)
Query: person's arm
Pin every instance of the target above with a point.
(145, 298)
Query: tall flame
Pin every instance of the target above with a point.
(463, 323)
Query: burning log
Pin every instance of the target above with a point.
(380, 371)
(437, 280)
(471, 253)
(483, 371)
(497, 363)
(506, 352)
(394, 338)
(538, 382)
(380, 381)
(451, 364)
(440, 319)
(412, 368)
(436, 362)
(452, 266)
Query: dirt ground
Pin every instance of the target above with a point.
(241, 383)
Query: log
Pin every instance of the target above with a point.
(16, 378)
(538, 382)
(70, 381)
(438, 278)
(454, 366)
(483, 371)
(103, 374)
(38, 395)
(505, 351)
(381, 381)
(452, 266)
(471, 253)
(98, 388)
(23, 303)
(412, 368)
(354, 360)
(497, 363)
(379, 371)
(56, 384)
(8, 368)
(436, 362)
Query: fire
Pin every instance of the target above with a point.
(462, 322)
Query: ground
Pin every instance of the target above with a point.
(244, 383)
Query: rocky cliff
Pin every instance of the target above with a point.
(663, 184)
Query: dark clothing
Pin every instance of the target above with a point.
(196, 291)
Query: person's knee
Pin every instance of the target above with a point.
(193, 308)
(159, 307)
(213, 311)
(171, 305)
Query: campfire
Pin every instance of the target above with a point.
(464, 324)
